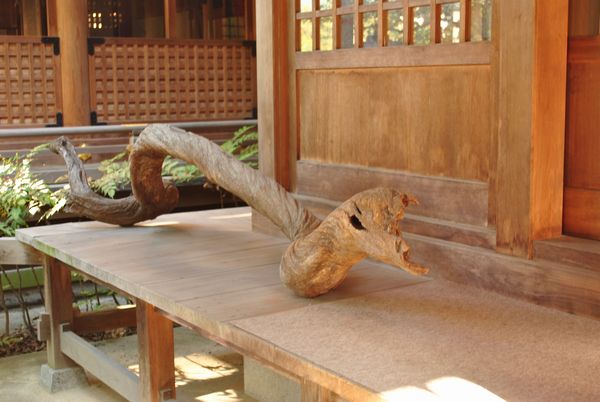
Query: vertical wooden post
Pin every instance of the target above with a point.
(32, 18)
(532, 85)
(155, 345)
(312, 392)
(273, 95)
(59, 304)
(170, 19)
(72, 29)
(51, 17)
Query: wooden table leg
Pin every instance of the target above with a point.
(157, 356)
(312, 392)
(59, 304)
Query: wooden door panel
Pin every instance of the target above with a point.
(582, 213)
(583, 116)
(582, 156)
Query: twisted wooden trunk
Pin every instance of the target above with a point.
(321, 252)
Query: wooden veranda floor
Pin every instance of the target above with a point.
(381, 333)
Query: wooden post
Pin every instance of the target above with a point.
(59, 304)
(273, 96)
(155, 345)
(532, 85)
(313, 392)
(32, 18)
(170, 19)
(72, 29)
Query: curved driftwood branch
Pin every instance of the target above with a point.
(321, 253)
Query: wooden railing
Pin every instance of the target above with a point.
(29, 82)
(144, 80)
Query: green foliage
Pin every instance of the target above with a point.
(24, 196)
(115, 171)
(115, 175)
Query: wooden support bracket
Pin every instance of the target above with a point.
(43, 327)
(102, 366)
(104, 320)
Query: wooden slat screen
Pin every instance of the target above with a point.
(145, 80)
(29, 82)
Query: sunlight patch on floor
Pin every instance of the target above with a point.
(443, 389)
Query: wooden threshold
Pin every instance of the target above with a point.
(584, 253)
(565, 287)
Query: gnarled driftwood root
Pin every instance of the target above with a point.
(321, 253)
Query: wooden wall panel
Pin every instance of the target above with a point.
(427, 120)
(29, 82)
(583, 120)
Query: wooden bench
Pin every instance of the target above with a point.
(383, 335)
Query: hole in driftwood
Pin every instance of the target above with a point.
(356, 223)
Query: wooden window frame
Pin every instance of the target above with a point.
(384, 55)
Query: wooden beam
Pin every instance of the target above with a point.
(156, 353)
(32, 18)
(532, 114)
(59, 301)
(104, 320)
(72, 29)
(102, 366)
(273, 89)
(14, 252)
(170, 13)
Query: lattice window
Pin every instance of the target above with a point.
(341, 24)
(29, 93)
(143, 80)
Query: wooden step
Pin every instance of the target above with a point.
(569, 250)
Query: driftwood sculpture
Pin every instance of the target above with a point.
(321, 252)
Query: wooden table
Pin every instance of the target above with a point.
(383, 335)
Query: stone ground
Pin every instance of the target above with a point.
(205, 371)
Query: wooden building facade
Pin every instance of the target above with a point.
(78, 62)
(485, 110)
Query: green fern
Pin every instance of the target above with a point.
(24, 196)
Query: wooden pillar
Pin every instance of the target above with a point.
(59, 305)
(273, 89)
(532, 88)
(584, 18)
(170, 19)
(156, 354)
(72, 29)
(51, 17)
(32, 18)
